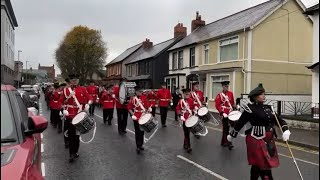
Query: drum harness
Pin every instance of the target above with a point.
(215, 121)
(144, 110)
(72, 94)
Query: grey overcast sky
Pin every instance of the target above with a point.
(123, 23)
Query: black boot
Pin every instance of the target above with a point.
(254, 173)
(138, 150)
(71, 159)
(189, 150)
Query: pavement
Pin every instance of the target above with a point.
(299, 137)
(111, 156)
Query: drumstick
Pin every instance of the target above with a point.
(216, 122)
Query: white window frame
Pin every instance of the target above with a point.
(212, 81)
(219, 50)
(175, 60)
(180, 66)
(204, 53)
(190, 57)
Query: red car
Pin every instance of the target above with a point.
(20, 138)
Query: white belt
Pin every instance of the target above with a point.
(165, 99)
(138, 111)
(107, 101)
(71, 106)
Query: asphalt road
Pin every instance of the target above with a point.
(112, 157)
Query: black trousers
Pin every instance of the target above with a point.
(153, 112)
(256, 172)
(163, 114)
(91, 108)
(139, 134)
(186, 131)
(54, 116)
(225, 130)
(108, 115)
(122, 114)
(72, 139)
(175, 113)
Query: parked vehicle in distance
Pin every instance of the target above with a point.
(34, 96)
(31, 88)
(20, 137)
(32, 106)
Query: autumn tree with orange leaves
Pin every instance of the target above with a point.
(82, 51)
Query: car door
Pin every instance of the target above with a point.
(33, 142)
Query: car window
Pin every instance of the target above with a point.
(7, 120)
(23, 111)
(26, 100)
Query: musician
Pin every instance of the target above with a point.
(137, 106)
(55, 105)
(47, 96)
(152, 96)
(61, 87)
(108, 100)
(185, 109)
(164, 97)
(261, 148)
(72, 95)
(225, 103)
(93, 91)
(196, 95)
(122, 111)
(176, 96)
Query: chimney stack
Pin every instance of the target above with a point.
(197, 22)
(147, 44)
(180, 31)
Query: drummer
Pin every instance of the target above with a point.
(108, 101)
(225, 104)
(70, 96)
(152, 96)
(197, 95)
(135, 110)
(185, 109)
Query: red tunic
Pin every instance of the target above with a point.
(107, 100)
(152, 96)
(81, 94)
(200, 96)
(222, 104)
(135, 107)
(182, 107)
(164, 97)
(55, 102)
(93, 91)
(116, 90)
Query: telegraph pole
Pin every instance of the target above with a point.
(19, 51)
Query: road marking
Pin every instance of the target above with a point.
(300, 160)
(41, 135)
(42, 148)
(43, 169)
(202, 168)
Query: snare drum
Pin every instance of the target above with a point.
(203, 114)
(82, 122)
(147, 122)
(234, 115)
(196, 126)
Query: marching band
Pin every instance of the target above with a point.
(68, 100)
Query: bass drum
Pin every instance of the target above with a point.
(126, 91)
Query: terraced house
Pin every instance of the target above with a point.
(269, 43)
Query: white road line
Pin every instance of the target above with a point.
(202, 168)
(42, 148)
(41, 135)
(299, 159)
(43, 169)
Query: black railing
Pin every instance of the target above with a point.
(292, 108)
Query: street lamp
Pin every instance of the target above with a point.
(26, 69)
(19, 51)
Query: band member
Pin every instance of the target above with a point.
(261, 148)
(176, 96)
(55, 106)
(93, 91)
(164, 97)
(60, 121)
(152, 96)
(196, 95)
(122, 111)
(108, 100)
(47, 96)
(71, 97)
(185, 109)
(225, 103)
(137, 106)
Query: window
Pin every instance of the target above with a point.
(174, 84)
(216, 84)
(192, 57)
(22, 111)
(229, 49)
(206, 54)
(148, 67)
(180, 61)
(7, 121)
(168, 83)
(174, 61)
